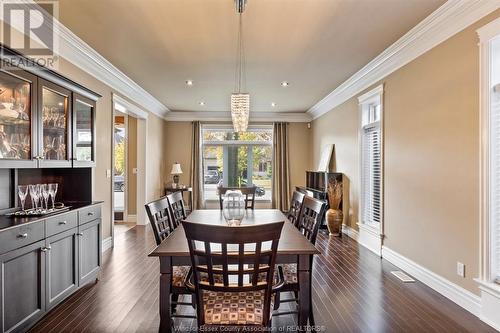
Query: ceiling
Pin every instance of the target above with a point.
(314, 44)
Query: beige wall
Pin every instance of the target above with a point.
(300, 153)
(340, 127)
(131, 164)
(178, 149)
(431, 124)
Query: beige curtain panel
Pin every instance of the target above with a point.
(197, 166)
(281, 167)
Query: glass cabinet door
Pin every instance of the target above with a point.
(55, 130)
(17, 119)
(83, 131)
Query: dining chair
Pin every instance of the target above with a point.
(160, 218)
(248, 192)
(295, 208)
(177, 208)
(309, 221)
(228, 265)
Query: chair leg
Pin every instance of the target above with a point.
(277, 299)
(311, 316)
(193, 300)
(175, 299)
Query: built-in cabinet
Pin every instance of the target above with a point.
(63, 252)
(44, 125)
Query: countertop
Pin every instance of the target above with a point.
(7, 222)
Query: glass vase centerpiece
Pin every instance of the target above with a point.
(233, 208)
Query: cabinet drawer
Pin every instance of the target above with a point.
(61, 223)
(22, 235)
(89, 214)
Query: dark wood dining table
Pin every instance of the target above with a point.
(293, 248)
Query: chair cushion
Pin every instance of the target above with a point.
(234, 308)
(290, 273)
(179, 275)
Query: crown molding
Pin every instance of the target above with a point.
(449, 19)
(291, 117)
(76, 51)
(124, 106)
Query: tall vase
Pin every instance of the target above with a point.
(334, 219)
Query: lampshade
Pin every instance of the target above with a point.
(176, 169)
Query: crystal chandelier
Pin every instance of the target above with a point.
(240, 102)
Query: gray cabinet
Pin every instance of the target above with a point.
(22, 278)
(89, 252)
(44, 262)
(61, 273)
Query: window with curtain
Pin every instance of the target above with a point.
(237, 159)
(371, 160)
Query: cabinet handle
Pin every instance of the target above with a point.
(22, 236)
(49, 247)
(90, 214)
(63, 222)
(43, 249)
(80, 234)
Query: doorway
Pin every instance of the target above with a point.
(124, 172)
(129, 172)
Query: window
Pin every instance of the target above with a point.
(237, 159)
(371, 158)
(494, 87)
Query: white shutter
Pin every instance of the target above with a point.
(371, 174)
(495, 186)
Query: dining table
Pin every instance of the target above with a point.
(293, 248)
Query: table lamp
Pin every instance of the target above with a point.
(176, 171)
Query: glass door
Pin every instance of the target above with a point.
(83, 131)
(17, 120)
(55, 130)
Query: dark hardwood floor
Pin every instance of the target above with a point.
(353, 291)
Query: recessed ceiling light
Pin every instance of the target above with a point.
(202, 103)
(273, 104)
(285, 84)
(189, 83)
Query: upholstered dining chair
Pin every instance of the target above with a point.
(295, 208)
(309, 221)
(248, 192)
(160, 218)
(228, 265)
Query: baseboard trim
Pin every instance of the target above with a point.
(107, 243)
(370, 238)
(350, 232)
(448, 289)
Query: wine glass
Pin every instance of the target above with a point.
(23, 192)
(34, 194)
(45, 195)
(52, 193)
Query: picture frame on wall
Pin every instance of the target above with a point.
(324, 164)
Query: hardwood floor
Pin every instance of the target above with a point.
(353, 291)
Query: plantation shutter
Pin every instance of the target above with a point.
(495, 182)
(371, 174)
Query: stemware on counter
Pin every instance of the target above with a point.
(40, 195)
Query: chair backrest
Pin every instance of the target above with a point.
(177, 208)
(248, 192)
(160, 218)
(295, 207)
(310, 217)
(233, 259)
